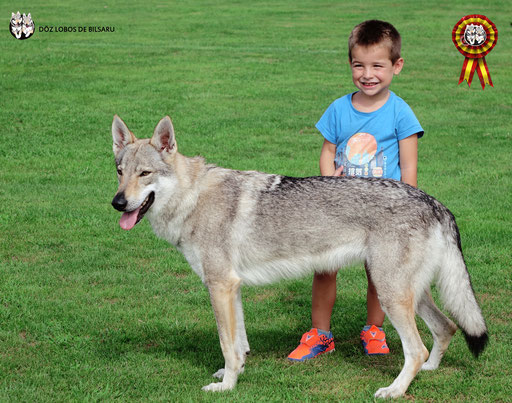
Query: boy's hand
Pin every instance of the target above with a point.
(339, 171)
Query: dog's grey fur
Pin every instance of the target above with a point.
(253, 228)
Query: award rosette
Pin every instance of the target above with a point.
(475, 36)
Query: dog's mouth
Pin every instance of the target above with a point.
(130, 219)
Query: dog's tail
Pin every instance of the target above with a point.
(457, 292)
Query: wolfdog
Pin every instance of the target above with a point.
(246, 227)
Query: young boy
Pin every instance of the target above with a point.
(369, 133)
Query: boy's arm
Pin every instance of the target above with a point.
(408, 149)
(327, 156)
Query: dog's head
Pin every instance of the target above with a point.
(140, 166)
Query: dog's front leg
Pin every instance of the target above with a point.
(223, 295)
(242, 342)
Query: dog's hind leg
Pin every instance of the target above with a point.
(400, 311)
(441, 327)
(223, 294)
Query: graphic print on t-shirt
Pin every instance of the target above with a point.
(359, 157)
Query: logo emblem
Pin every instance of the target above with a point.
(475, 36)
(21, 26)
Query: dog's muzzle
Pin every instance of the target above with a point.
(131, 218)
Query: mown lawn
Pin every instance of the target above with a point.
(89, 312)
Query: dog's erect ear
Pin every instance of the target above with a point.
(121, 135)
(163, 138)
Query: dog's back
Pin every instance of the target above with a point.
(273, 226)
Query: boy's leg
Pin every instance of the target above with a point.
(319, 339)
(372, 335)
(374, 313)
(323, 299)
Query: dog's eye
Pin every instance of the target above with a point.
(119, 172)
(145, 173)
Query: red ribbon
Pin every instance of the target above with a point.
(475, 36)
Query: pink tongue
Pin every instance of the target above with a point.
(128, 220)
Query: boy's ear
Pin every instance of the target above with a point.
(397, 67)
(121, 135)
(163, 137)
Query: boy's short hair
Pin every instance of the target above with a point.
(373, 32)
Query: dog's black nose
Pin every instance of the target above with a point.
(119, 202)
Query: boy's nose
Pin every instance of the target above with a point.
(368, 73)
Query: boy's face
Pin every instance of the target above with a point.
(372, 69)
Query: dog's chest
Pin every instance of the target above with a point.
(171, 231)
(165, 227)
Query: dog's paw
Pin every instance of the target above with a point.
(389, 392)
(217, 387)
(429, 366)
(219, 374)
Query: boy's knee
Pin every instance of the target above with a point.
(371, 288)
(325, 277)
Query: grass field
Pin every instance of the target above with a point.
(89, 312)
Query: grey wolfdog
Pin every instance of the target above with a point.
(237, 227)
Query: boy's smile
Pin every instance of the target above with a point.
(373, 71)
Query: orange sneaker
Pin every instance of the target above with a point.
(374, 341)
(312, 344)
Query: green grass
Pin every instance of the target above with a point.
(91, 313)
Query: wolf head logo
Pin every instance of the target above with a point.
(474, 35)
(21, 26)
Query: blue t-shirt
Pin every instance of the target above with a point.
(367, 143)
